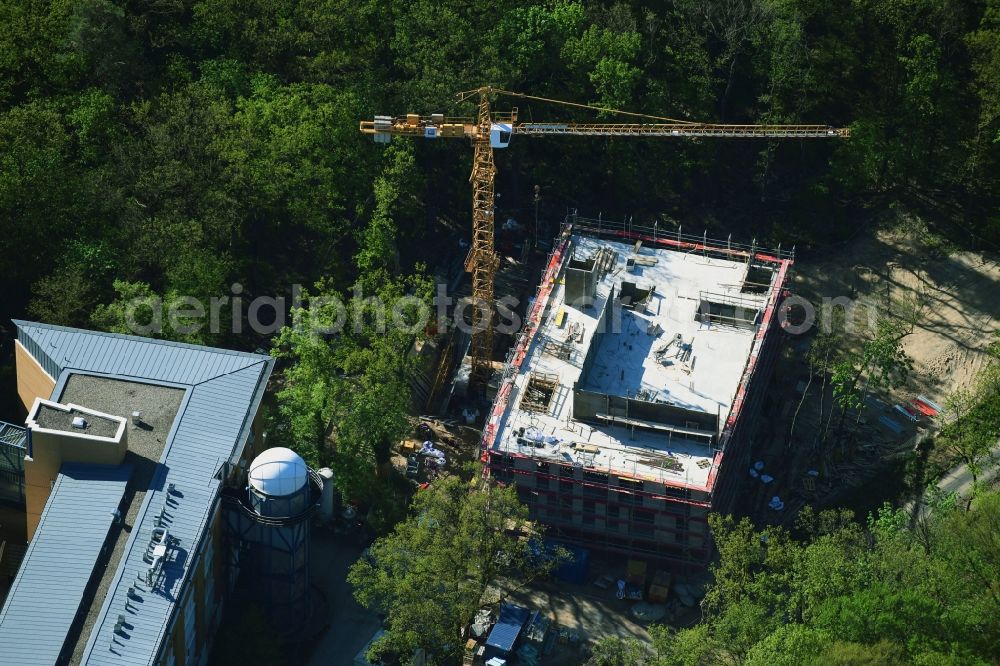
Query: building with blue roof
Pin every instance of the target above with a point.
(507, 629)
(58, 565)
(130, 442)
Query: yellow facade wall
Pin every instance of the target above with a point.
(32, 381)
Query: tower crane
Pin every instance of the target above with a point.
(489, 131)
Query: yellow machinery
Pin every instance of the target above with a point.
(488, 131)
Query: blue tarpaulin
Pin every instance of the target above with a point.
(508, 627)
(574, 570)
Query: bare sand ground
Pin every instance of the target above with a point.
(897, 260)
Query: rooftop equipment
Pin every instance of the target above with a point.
(328, 501)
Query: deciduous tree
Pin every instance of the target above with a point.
(431, 574)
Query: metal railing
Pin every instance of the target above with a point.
(628, 229)
(237, 499)
(13, 448)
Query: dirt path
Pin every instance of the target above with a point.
(960, 292)
(958, 480)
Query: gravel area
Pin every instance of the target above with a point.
(57, 419)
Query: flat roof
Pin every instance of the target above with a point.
(51, 417)
(222, 390)
(60, 562)
(629, 361)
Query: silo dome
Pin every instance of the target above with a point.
(278, 472)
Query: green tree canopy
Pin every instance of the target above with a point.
(437, 567)
(842, 593)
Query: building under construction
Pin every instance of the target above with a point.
(625, 408)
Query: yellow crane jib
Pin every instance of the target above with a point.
(435, 126)
(489, 130)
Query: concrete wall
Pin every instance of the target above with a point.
(727, 314)
(587, 404)
(581, 283)
(32, 381)
(603, 322)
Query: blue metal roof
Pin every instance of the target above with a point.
(223, 391)
(59, 347)
(508, 627)
(59, 563)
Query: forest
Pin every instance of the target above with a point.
(177, 147)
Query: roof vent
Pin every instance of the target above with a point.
(79, 422)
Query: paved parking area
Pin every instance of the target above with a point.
(349, 625)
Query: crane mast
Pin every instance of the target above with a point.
(488, 131)
(482, 261)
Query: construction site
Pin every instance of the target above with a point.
(641, 360)
(654, 381)
(640, 393)
(550, 333)
(625, 406)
